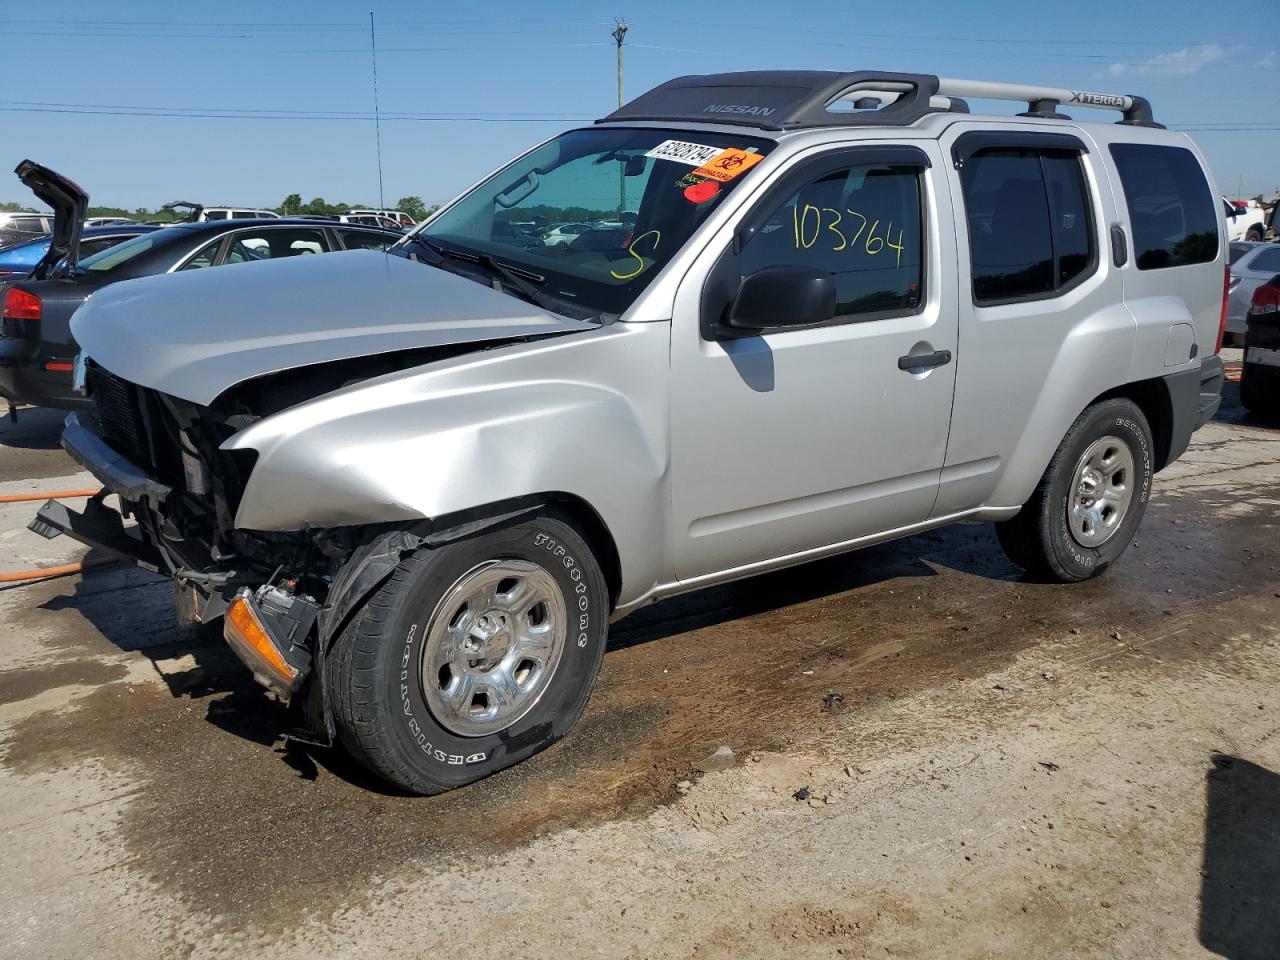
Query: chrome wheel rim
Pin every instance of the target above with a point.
(493, 644)
(1101, 491)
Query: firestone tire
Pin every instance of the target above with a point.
(391, 701)
(1041, 538)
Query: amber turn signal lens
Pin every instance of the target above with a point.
(242, 619)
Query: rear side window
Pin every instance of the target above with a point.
(1030, 229)
(1266, 261)
(862, 225)
(1173, 215)
(366, 240)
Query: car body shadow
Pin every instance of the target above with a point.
(134, 610)
(38, 428)
(1240, 885)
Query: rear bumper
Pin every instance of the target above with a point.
(23, 378)
(1194, 397)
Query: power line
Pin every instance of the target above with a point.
(364, 118)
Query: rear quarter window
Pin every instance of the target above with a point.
(1172, 213)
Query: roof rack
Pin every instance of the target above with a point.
(796, 99)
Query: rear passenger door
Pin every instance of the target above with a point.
(1043, 328)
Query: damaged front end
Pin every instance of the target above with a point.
(162, 457)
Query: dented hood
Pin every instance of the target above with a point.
(196, 333)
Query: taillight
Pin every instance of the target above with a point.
(1266, 299)
(1222, 318)
(20, 305)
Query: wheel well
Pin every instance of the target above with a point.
(582, 514)
(1152, 398)
(598, 537)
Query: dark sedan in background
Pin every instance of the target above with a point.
(19, 260)
(36, 347)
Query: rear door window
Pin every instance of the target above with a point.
(274, 243)
(1172, 213)
(1030, 229)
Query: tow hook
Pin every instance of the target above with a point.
(269, 630)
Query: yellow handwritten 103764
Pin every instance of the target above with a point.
(728, 164)
(809, 221)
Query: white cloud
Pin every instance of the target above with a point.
(1117, 68)
(1268, 62)
(1181, 63)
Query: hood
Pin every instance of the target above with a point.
(69, 204)
(194, 334)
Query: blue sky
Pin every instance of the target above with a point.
(531, 69)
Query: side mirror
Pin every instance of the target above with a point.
(782, 297)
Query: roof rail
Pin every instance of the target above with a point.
(1044, 101)
(795, 99)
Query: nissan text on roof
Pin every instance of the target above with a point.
(418, 486)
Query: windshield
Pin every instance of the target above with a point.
(112, 257)
(594, 215)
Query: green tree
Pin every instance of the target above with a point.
(414, 207)
(15, 208)
(292, 205)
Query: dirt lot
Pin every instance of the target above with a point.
(932, 758)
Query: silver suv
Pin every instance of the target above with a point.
(419, 485)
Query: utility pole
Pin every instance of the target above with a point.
(620, 31)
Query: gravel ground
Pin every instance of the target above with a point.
(931, 758)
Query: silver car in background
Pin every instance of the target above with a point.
(1252, 264)
(838, 309)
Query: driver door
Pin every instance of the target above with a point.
(800, 441)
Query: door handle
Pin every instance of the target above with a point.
(913, 362)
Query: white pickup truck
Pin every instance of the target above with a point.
(1244, 222)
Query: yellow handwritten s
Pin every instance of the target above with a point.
(640, 264)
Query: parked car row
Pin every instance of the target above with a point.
(50, 278)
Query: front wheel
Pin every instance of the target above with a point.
(1254, 234)
(471, 656)
(1090, 500)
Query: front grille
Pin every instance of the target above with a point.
(118, 404)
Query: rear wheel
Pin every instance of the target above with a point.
(1254, 233)
(471, 656)
(1090, 500)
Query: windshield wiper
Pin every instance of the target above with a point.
(517, 281)
(514, 279)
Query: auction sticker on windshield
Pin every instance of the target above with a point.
(694, 154)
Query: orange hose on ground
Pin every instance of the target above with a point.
(56, 495)
(19, 576)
